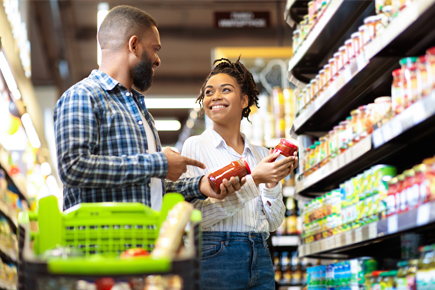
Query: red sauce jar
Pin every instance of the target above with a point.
(285, 148)
(238, 168)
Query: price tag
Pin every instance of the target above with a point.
(348, 155)
(377, 138)
(387, 132)
(396, 127)
(373, 230)
(348, 238)
(332, 89)
(340, 160)
(358, 235)
(423, 214)
(347, 75)
(393, 224)
(419, 113)
(329, 243)
(360, 61)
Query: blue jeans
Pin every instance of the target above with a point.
(234, 260)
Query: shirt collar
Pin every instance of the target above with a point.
(216, 139)
(106, 82)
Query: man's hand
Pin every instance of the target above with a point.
(272, 172)
(177, 164)
(227, 187)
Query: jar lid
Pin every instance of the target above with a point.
(431, 51)
(429, 161)
(422, 58)
(397, 72)
(387, 9)
(296, 31)
(409, 173)
(361, 28)
(384, 99)
(349, 41)
(402, 264)
(326, 66)
(313, 81)
(349, 118)
(331, 132)
(317, 143)
(419, 168)
(312, 147)
(377, 273)
(408, 60)
(341, 48)
(393, 180)
(246, 164)
(337, 54)
(355, 34)
(321, 71)
(392, 273)
(331, 60)
(322, 139)
(336, 127)
(400, 177)
(289, 144)
(354, 112)
(370, 19)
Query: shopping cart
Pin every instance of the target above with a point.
(101, 231)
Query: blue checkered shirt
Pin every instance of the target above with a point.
(102, 146)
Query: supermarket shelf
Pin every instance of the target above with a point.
(327, 32)
(369, 75)
(286, 241)
(7, 257)
(372, 234)
(290, 287)
(12, 221)
(18, 180)
(336, 165)
(410, 131)
(295, 11)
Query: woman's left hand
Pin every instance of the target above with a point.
(272, 172)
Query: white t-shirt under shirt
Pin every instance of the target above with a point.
(156, 183)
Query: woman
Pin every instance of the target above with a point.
(235, 229)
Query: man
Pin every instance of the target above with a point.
(107, 146)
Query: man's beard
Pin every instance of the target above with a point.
(142, 74)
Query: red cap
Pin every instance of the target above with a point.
(397, 72)
(376, 273)
(289, 144)
(431, 51)
(246, 164)
(422, 58)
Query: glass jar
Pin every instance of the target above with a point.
(338, 62)
(311, 10)
(317, 78)
(239, 168)
(383, 107)
(381, 24)
(409, 69)
(342, 139)
(388, 12)
(314, 89)
(400, 195)
(354, 125)
(397, 92)
(370, 109)
(422, 77)
(309, 95)
(327, 148)
(327, 75)
(317, 153)
(356, 42)
(370, 32)
(431, 67)
(312, 158)
(322, 151)
(349, 134)
(332, 67)
(307, 26)
(307, 160)
(343, 51)
(336, 143)
(321, 80)
(297, 39)
(349, 49)
(411, 196)
(363, 35)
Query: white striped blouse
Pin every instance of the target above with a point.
(252, 208)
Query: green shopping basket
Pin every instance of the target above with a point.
(102, 231)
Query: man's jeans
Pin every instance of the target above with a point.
(234, 260)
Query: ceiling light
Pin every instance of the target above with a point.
(170, 103)
(167, 125)
(9, 77)
(103, 9)
(30, 131)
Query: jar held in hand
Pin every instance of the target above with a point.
(239, 168)
(285, 148)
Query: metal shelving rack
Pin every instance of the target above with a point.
(403, 141)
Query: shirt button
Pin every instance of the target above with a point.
(149, 184)
(140, 122)
(128, 94)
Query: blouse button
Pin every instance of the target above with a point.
(127, 94)
(140, 122)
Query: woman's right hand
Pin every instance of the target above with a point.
(273, 172)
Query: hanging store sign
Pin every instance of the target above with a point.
(242, 19)
(19, 32)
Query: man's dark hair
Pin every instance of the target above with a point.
(242, 76)
(121, 23)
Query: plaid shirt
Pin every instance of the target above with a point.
(102, 146)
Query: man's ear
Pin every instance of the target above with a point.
(133, 44)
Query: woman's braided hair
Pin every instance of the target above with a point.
(242, 76)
